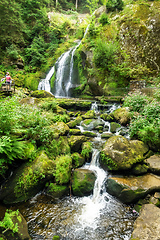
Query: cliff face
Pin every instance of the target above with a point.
(136, 31)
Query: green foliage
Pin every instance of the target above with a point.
(12, 52)
(49, 105)
(135, 102)
(104, 19)
(145, 122)
(7, 223)
(104, 54)
(92, 5)
(86, 150)
(113, 5)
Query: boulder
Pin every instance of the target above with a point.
(75, 142)
(147, 225)
(119, 153)
(114, 127)
(74, 122)
(83, 182)
(121, 115)
(90, 124)
(77, 160)
(63, 169)
(74, 132)
(154, 164)
(28, 180)
(130, 189)
(89, 115)
(89, 134)
(58, 129)
(106, 117)
(106, 135)
(87, 151)
(57, 191)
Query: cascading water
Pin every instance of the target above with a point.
(98, 216)
(44, 84)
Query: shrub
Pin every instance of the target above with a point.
(113, 5)
(136, 102)
(104, 54)
(103, 19)
(7, 222)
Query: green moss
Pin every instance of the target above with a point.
(63, 169)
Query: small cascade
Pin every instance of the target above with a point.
(44, 84)
(94, 204)
(94, 107)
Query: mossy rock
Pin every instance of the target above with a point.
(41, 94)
(91, 124)
(114, 127)
(106, 117)
(58, 129)
(63, 169)
(120, 153)
(106, 135)
(83, 182)
(87, 150)
(89, 134)
(75, 122)
(77, 160)
(121, 115)
(75, 142)
(89, 115)
(75, 132)
(140, 169)
(28, 180)
(57, 191)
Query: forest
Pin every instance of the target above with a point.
(42, 147)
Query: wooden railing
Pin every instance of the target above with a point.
(7, 87)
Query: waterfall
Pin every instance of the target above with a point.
(64, 76)
(95, 203)
(44, 84)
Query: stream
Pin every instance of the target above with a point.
(98, 216)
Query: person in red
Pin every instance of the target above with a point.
(8, 78)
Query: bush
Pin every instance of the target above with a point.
(103, 19)
(104, 54)
(136, 102)
(113, 5)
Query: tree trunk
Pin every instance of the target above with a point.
(76, 4)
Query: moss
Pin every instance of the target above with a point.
(41, 94)
(63, 169)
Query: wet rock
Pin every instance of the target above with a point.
(75, 104)
(75, 142)
(83, 182)
(154, 164)
(120, 153)
(28, 180)
(121, 115)
(147, 226)
(77, 160)
(130, 189)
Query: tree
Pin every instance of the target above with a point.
(11, 24)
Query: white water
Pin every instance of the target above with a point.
(94, 204)
(44, 84)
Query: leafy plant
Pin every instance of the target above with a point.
(112, 5)
(136, 101)
(103, 19)
(7, 223)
